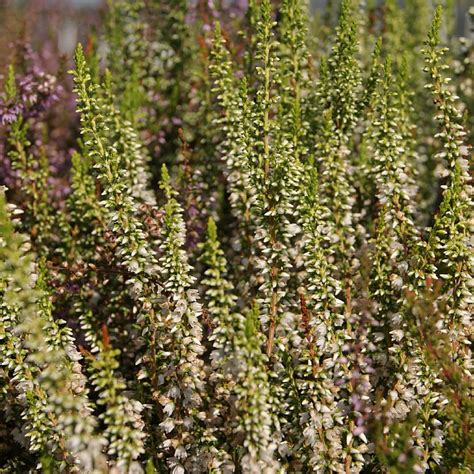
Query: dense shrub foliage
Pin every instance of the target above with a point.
(250, 249)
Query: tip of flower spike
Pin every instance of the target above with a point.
(387, 69)
(217, 30)
(211, 229)
(79, 53)
(165, 183)
(403, 68)
(10, 84)
(165, 176)
(433, 35)
(265, 9)
(79, 60)
(108, 79)
(347, 17)
(377, 48)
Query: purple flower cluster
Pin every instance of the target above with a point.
(37, 92)
(45, 102)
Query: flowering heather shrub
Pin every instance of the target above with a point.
(255, 255)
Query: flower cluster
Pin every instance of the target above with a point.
(261, 259)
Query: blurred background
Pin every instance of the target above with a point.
(60, 24)
(52, 26)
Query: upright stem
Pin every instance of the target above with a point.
(266, 169)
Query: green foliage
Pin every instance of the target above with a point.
(264, 262)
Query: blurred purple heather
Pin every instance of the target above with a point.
(44, 100)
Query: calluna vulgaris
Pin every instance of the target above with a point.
(249, 251)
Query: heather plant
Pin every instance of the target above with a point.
(261, 259)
